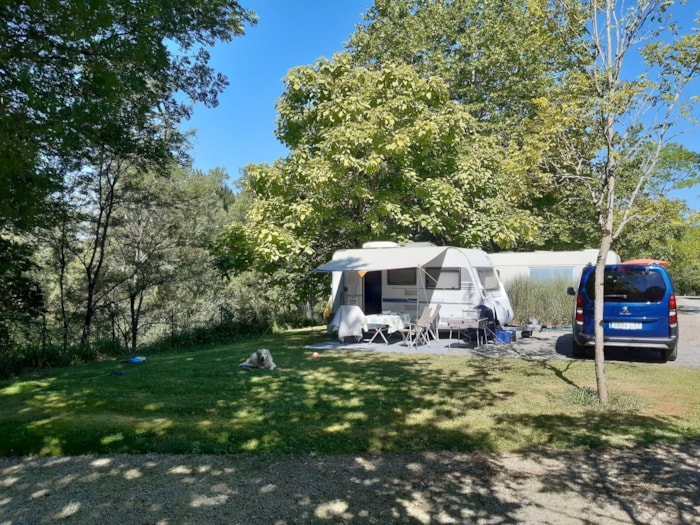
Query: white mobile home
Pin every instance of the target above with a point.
(546, 265)
(385, 276)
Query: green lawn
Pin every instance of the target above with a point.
(200, 401)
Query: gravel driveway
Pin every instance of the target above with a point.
(641, 486)
(660, 485)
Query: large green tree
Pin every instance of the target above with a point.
(381, 152)
(501, 59)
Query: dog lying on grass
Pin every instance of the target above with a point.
(259, 359)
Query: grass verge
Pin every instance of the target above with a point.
(342, 402)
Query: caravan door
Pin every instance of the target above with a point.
(364, 289)
(373, 293)
(353, 288)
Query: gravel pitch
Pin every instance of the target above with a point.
(636, 486)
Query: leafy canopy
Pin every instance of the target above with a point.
(379, 153)
(78, 77)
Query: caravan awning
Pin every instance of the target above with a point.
(374, 259)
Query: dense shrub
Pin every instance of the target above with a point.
(547, 301)
(236, 326)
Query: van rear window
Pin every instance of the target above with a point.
(630, 286)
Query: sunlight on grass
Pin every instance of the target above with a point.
(156, 427)
(24, 386)
(52, 447)
(112, 439)
(346, 402)
(353, 402)
(339, 427)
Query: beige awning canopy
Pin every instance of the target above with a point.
(375, 259)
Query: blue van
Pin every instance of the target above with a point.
(639, 309)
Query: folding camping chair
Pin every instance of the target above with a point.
(415, 333)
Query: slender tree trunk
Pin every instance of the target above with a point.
(63, 263)
(106, 202)
(601, 380)
(135, 305)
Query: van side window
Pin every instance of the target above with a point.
(441, 279)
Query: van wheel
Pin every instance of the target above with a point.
(579, 351)
(671, 354)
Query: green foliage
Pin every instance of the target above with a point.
(78, 77)
(232, 251)
(21, 298)
(199, 401)
(495, 56)
(685, 268)
(84, 86)
(547, 301)
(503, 62)
(657, 231)
(379, 153)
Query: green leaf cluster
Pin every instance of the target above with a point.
(380, 153)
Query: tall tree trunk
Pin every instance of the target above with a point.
(62, 248)
(601, 381)
(107, 181)
(135, 304)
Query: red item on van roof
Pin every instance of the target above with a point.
(648, 261)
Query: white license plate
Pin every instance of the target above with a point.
(626, 326)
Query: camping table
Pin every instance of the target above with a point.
(479, 325)
(378, 323)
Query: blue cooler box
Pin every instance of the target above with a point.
(505, 336)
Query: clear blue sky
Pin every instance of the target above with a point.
(289, 33)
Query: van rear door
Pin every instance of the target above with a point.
(636, 302)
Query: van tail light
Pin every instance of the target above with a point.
(579, 309)
(672, 314)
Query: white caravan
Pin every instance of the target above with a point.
(546, 265)
(386, 276)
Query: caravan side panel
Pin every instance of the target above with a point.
(546, 265)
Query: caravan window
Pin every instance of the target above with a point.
(441, 279)
(402, 277)
(552, 273)
(488, 279)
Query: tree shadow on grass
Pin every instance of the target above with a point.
(205, 403)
